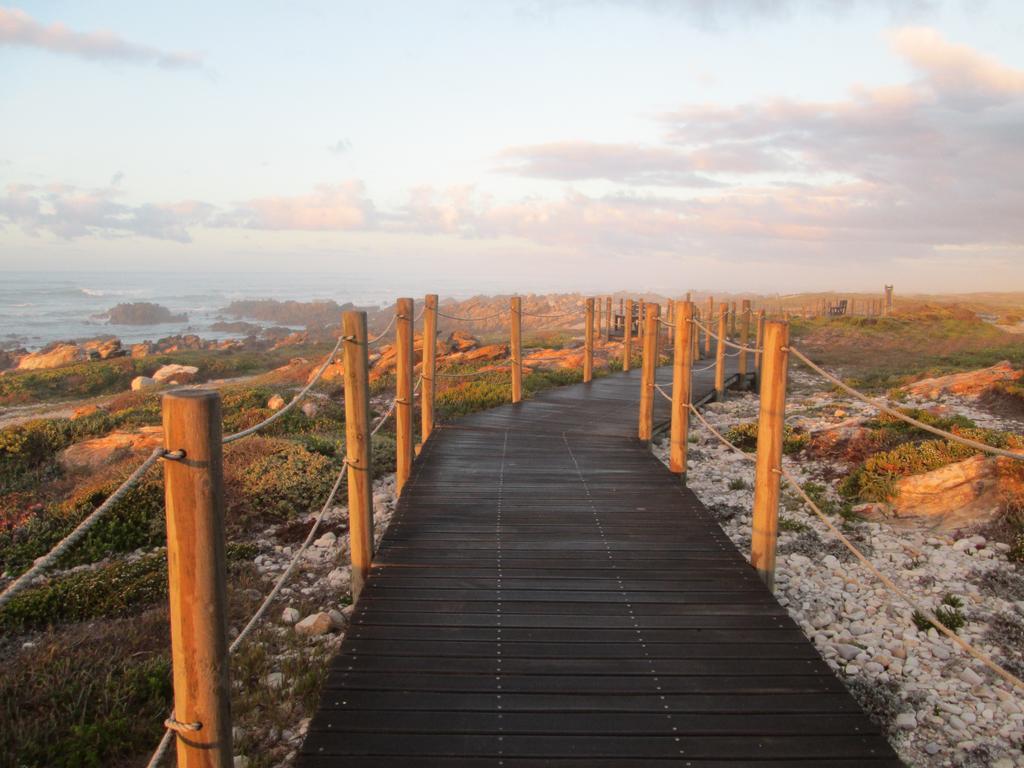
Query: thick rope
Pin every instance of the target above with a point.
(727, 343)
(291, 403)
(47, 561)
(966, 647)
(886, 408)
(472, 319)
(381, 335)
(705, 368)
(663, 393)
(552, 317)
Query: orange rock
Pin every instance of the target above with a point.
(91, 455)
(968, 383)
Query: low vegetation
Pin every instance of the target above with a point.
(744, 437)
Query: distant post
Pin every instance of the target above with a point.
(516, 348)
(597, 317)
(588, 344)
(681, 364)
(732, 321)
(648, 372)
(608, 313)
(744, 338)
(708, 320)
(759, 343)
(357, 448)
(403, 392)
(627, 338)
(888, 300)
(770, 427)
(723, 319)
(194, 495)
(429, 365)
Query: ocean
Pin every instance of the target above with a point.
(37, 308)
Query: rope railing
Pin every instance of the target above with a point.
(896, 413)
(291, 403)
(571, 313)
(966, 647)
(170, 723)
(47, 561)
(472, 319)
(734, 345)
(383, 333)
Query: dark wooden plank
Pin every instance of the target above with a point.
(548, 595)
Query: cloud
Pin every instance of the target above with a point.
(342, 206)
(18, 28)
(624, 163)
(70, 212)
(956, 71)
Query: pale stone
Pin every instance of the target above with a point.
(290, 615)
(314, 624)
(142, 383)
(275, 403)
(182, 374)
(906, 720)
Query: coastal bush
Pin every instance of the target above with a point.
(948, 612)
(93, 698)
(271, 480)
(135, 521)
(744, 437)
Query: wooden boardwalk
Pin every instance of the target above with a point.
(548, 594)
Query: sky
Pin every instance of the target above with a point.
(757, 145)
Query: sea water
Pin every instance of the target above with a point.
(39, 307)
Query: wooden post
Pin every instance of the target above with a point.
(588, 344)
(710, 318)
(194, 495)
(694, 333)
(648, 371)
(608, 312)
(681, 365)
(759, 342)
(429, 366)
(888, 300)
(723, 320)
(403, 392)
(641, 322)
(732, 321)
(597, 317)
(744, 338)
(627, 337)
(516, 348)
(770, 426)
(357, 448)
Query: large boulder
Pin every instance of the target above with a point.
(180, 374)
(960, 495)
(143, 349)
(104, 349)
(967, 383)
(91, 455)
(142, 383)
(53, 356)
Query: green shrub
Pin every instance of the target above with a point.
(744, 437)
(273, 480)
(948, 613)
(137, 520)
(94, 698)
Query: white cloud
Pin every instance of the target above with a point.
(18, 28)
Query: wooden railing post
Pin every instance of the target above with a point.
(732, 321)
(681, 365)
(357, 448)
(770, 425)
(608, 312)
(429, 366)
(648, 371)
(588, 344)
(744, 338)
(403, 392)
(627, 338)
(723, 318)
(194, 495)
(759, 343)
(597, 317)
(695, 333)
(515, 350)
(709, 319)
